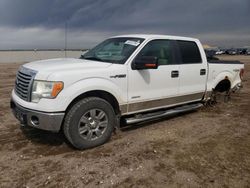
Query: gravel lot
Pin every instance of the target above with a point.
(207, 148)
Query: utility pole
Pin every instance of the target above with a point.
(65, 40)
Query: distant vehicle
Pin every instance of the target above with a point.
(241, 51)
(244, 51)
(231, 52)
(247, 52)
(210, 54)
(219, 52)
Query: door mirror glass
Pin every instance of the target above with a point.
(145, 62)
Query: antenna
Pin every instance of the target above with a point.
(65, 40)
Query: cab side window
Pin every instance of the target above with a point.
(160, 49)
(189, 52)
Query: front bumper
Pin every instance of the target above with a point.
(37, 119)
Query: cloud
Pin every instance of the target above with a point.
(112, 17)
(43, 38)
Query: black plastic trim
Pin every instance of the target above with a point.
(225, 62)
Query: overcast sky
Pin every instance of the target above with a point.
(41, 23)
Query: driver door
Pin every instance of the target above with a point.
(150, 89)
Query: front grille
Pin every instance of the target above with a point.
(23, 83)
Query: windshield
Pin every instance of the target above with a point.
(113, 50)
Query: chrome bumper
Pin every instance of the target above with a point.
(237, 87)
(41, 120)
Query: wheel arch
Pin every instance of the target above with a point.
(110, 98)
(223, 85)
(221, 82)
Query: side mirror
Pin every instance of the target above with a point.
(83, 53)
(146, 62)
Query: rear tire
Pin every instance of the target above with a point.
(89, 123)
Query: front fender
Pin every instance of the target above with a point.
(91, 84)
(68, 94)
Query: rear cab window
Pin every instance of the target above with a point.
(189, 52)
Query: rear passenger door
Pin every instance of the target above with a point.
(192, 71)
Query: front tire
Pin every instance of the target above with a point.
(89, 123)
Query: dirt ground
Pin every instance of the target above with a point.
(207, 148)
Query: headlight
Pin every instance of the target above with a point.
(45, 89)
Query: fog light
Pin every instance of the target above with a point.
(34, 120)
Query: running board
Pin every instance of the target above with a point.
(156, 115)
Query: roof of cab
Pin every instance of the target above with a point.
(154, 36)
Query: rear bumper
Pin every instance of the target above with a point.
(237, 87)
(41, 120)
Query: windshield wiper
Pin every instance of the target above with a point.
(92, 58)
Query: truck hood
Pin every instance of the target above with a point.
(64, 64)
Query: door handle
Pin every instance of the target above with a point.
(202, 71)
(175, 74)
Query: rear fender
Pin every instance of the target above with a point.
(218, 78)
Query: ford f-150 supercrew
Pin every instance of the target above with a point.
(129, 78)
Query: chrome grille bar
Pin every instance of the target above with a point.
(23, 82)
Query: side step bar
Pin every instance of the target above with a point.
(160, 114)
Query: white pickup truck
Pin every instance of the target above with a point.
(129, 78)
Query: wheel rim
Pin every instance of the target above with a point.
(93, 124)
